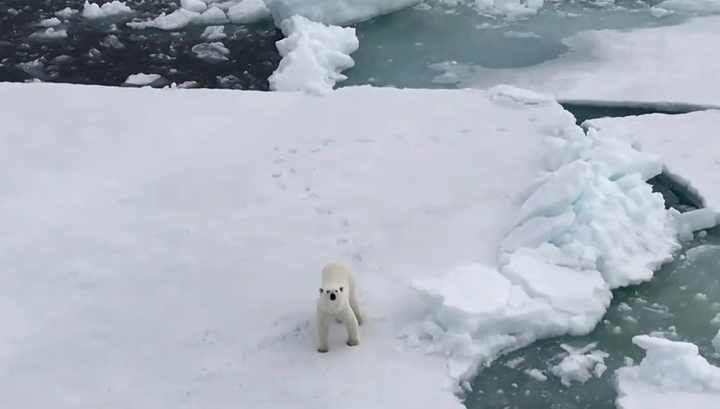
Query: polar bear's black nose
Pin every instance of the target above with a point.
(332, 296)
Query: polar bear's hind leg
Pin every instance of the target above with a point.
(351, 323)
(356, 308)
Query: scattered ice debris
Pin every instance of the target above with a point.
(112, 41)
(188, 84)
(509, 8)
(313, 56)
(66, 13)
(700, 297)
(196, 6)
(716, 342)
(536, 374)
(95, 54)
(624, 307)
(520, 34)
(211, 52)
(141, 80)
(659, 12)
(716, 319)
(35, 68)
(513, 363)
(248, 11)
(50, 33)
(50, 22)
(173, 21)
(213, 33)
(93, 11)
(212, 15)
(672, 375)
(580, 364)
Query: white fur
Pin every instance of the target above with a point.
(338, 279)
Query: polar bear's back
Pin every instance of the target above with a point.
(339, 274)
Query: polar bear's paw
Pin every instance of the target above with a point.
(352, 342)
(322, 350)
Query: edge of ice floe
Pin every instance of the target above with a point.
(690, 221)
(570, 242)
(667, 107)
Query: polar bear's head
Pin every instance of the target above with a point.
(332, 299)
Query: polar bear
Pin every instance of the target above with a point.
(337, 300)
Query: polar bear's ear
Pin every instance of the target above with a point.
(321, 291)
(340, 289)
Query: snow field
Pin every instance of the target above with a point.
(588, 224)
(672, 375)
(675, 139)
(313, 56)
(170, 256)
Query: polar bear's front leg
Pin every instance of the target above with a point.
(323, 330)
(351, 324)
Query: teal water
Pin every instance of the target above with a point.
(398, 49)
(682, 302)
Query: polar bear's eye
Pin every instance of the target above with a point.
(321, 291)
(340, 289)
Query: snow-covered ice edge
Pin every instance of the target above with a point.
(675, 139)
(588, 224)
(672, 375)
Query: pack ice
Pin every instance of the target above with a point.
(588, 224)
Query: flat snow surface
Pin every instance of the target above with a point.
(162, 248)
(685, 143)
(674, 64)
(671, 376)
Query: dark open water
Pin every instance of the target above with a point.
(86, 57)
